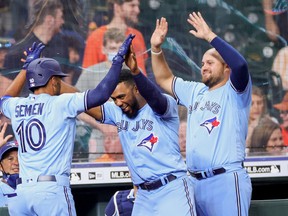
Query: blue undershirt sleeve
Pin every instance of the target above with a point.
(239, 69)
(102, 92)
(152, 94)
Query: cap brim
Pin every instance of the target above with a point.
(281, 106)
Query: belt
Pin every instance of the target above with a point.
(158, 183)
(42, 178)
(206, 174)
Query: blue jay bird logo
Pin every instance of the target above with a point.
(210, 124)
(149, 142)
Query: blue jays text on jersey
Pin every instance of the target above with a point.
(143, 124)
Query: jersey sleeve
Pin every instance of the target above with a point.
(183, 90)
(110, 112)
(72, 104)
(242, 99)
(172, 109)
(4, 106)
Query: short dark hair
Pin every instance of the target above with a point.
(126, 76)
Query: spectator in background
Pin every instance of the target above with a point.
(283, 108)
(280, 65)
(276, 19)
(112, 145)
(123, 14)
(92, 75)
(75, 55)
(267, 139)
(258, 110)
(5, 44)
(91, 27)
(48, 20)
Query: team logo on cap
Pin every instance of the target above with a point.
(210, 124)
(149, 142)
(32, 82)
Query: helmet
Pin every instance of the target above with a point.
(6, 147)
(41, 70)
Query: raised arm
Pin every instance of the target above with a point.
(15, 88)
(239, 75)
(162, 72)
(101, 93)
(270, 24)
(3, 139)
(105, 88)
(149, 91)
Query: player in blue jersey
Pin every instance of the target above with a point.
(44, 126)
(218, 111)
(9, 167)
(148, 123)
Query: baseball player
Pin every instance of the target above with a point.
(44, 125)
(9, 167)
(148, 123)
(218, 111)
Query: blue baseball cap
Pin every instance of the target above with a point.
(6, 147)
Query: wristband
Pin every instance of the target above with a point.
(156, 53)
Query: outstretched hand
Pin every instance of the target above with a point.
(202, 29)
(159, 34)
(131, 61)
(3, 139)
(32, 53)
(123, 50)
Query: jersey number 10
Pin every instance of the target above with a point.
(29, 133)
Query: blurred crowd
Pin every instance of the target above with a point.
(84, 36)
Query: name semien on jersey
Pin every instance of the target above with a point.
(28, 110)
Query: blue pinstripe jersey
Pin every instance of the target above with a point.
(44, 127)
(217, 123)
(149, 141)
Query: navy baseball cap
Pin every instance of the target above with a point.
(6, 147)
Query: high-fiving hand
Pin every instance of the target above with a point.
(159, 34)
(131, 61)
(202, 29)
(123, 50)
(32, 53)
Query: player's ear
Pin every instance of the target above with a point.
(227, 68)
(135, 89)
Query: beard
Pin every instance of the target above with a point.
(212, 80)
(133, 110)
(130, 22)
